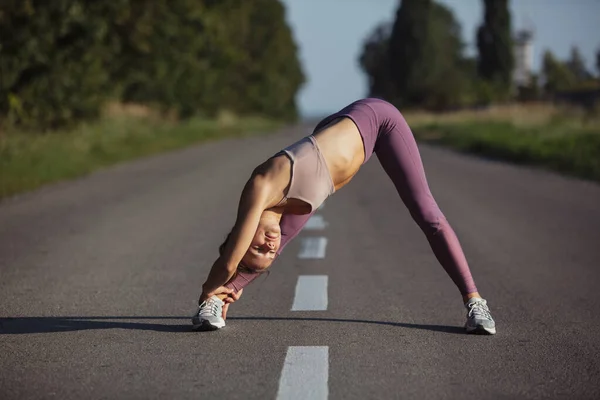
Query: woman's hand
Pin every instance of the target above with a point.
(233, 297)
(227, 295)
(220, 292)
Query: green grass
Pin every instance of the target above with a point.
(561, 144)
(28, 160)
(536, 136)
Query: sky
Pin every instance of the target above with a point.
(330, 35)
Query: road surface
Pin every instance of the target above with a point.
(99, 277)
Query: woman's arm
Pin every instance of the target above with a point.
(253, 202)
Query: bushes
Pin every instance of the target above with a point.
(61, 60)
(52, 59)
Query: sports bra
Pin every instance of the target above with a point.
(310, 179)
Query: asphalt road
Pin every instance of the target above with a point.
(99, 278)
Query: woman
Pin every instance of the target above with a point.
(287, 189)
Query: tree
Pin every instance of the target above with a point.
(206, 56)
(52, 61)
(494, 43)
(598, 62)
(61, 60)
(576, 64)
(446, 83)
(425, 57)
(267, 65)
(374, 60)
(407, 50)
(557, 75)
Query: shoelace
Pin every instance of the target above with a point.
(210, 309)
(479, 309)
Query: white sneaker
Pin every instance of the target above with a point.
(479, 319)
(209, 316)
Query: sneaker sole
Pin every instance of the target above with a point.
(481, 330)
(206, 326)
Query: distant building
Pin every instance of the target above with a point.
(523, 47)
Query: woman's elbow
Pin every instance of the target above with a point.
(257, 187)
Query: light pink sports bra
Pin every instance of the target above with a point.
(310, 181)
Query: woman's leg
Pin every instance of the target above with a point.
(397, 152)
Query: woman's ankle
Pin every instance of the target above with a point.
(468, 296)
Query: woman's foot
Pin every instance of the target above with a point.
(209, 316)
(479, 319)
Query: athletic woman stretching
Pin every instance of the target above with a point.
(287, 189)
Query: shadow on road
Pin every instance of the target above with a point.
(435, 328)
(21, 325)
(24, 325)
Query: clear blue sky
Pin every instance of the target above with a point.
(330, 34)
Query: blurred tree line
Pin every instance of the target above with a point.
(564, 75)
(61, 60)
(418, 61)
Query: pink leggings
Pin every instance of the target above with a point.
(385, 133)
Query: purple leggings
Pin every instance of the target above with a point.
(385, 133)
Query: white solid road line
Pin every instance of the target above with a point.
(305, 374)
(313, 247)
(311, 293)
(315, 223)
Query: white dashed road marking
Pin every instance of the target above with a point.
(316, 222)
(313, 247)
(305, 374)
(305, 371)
(311, 293)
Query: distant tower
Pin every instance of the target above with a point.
(523, 57)
(523, 47)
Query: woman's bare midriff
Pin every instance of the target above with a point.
(343, 150)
